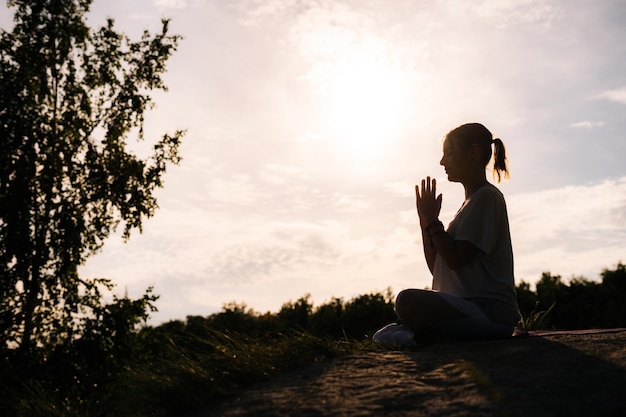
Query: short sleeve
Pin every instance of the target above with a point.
(478, 221)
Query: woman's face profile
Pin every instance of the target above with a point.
(453, 161)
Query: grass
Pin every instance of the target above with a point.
(536, 320)
(177, 375)
(189, 373)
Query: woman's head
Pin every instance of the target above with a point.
(476, 135)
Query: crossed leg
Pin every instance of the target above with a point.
(430, 312)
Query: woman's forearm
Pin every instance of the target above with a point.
(429, 251)
(455, 253)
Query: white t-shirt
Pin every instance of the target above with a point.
(488, 279)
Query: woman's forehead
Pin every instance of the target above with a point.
(447, 143)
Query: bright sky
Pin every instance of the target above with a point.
(309, 122)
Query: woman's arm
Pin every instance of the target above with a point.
(429, 251)
(455, 253)
(425, 210)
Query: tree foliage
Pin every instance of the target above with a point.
(357, 318)
(71, 99)
(579, 303)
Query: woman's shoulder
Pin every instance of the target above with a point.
(488, 192)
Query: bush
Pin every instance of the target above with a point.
(579, 303)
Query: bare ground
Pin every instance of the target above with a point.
(550, 375)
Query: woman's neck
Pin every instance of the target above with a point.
(474, 184)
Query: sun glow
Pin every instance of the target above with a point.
(368, 105)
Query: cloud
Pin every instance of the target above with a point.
(502, 13)
(282, 250)
(587, 124)
(575, 230)
(350, 203)
(258, 12)
(617, 95)
(171, 4)
(333, 35)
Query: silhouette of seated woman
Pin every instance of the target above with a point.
(471, 260)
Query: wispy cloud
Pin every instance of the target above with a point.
(587, 124)
(257, 12)
(333, 33)
(171, 4)
(572, 230)
(280, 252)
(617, 95)
(502, 13)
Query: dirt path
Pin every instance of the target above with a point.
(554, 375)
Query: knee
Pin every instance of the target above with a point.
(402, 302)
(412, 302)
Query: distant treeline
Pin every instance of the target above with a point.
(554, 304)
(356, 318)
(578, 303)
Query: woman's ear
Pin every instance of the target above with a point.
(474, 151)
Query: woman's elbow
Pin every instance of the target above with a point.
(455, 263)
(461, 256)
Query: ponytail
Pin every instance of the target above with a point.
(500, 168)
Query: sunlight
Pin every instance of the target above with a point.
(368, 105)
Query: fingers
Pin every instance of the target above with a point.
(428, 187)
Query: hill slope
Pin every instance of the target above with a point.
(558, 374)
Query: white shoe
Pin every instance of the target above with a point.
(395, 334)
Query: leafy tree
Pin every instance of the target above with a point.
(296, 315)
(550, 289)
(367, 313)
(580, 305)
(526, 299)
(614, 289)
(71, 98)
(328, 319)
